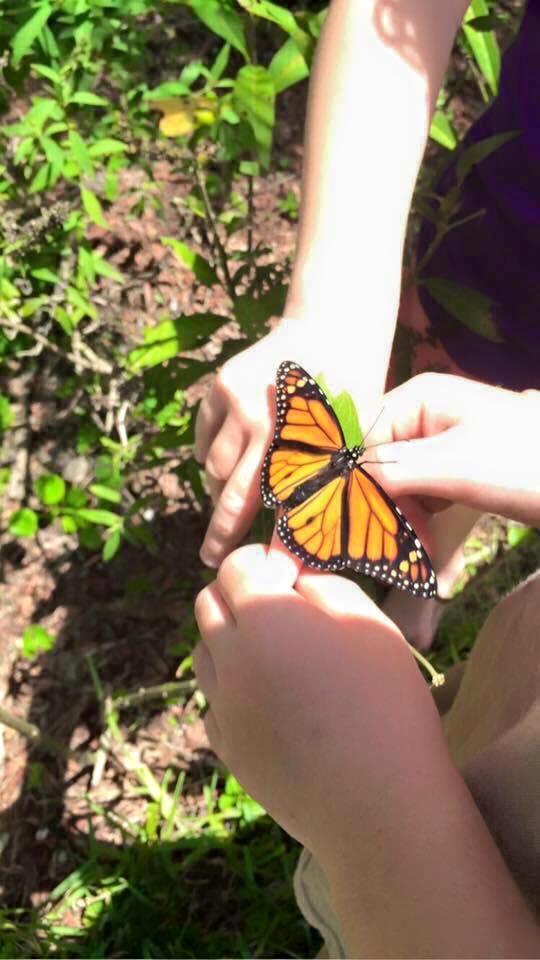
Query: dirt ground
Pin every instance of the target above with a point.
(131, 618)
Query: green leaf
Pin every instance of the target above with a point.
(254, 313)
(105, 269)
(47, 72)
(24, 38)
(80, 152)
(172, 337)
(517, 534)
(106, 147)
(87, 98)
(7, 417)
(102, 517)
(23, 523)
(204, 272)
(480, 151)
(41, 179)
(35, 639)
(55, 155)
(105, 493)
(472, 308)
(172, 88)
(484, 45)
(76, 497)
(43, 273)
(222, 18)
(489, 22)
(93, 207)
(250, 168)
(50, 488)
(278, 15)
(287, 66)
(220, 63)
(90, 538)
(345, 411)
(111, 545)
(442, 131)
(254, 100)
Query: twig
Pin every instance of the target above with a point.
(121, 423)
(161, 692)
(43, 740)
(440, 233)
(93, 362)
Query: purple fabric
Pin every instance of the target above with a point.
(499, 252)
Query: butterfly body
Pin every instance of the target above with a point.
(331, 512)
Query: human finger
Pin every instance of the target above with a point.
(429, 403)
(211, 610)
(226, 449)
(235, 509)
(210, 416)
(254, 572)
(205, 670)
(336, 595)
(213, 732)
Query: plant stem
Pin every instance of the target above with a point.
(161, 692)
(219, 250)
(250, 217)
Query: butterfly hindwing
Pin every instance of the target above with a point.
(381, 542)
(351, 523)
(307, 433)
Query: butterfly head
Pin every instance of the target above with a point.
(355, 455)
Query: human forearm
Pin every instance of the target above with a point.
(427, 879)
(375, 80)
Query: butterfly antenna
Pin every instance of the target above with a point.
(382, 442)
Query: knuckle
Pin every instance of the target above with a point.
(231, 505)
(222, 525)
(216, 467)
(428, 381)
(200, 603)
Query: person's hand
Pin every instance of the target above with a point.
(468, 443)
(235, 421)
(316, 703)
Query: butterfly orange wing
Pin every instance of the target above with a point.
(307, 434)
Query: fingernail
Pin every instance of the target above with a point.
(209, 558)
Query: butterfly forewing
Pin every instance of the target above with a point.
(306, 434)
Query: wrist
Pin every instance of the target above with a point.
(351, 356)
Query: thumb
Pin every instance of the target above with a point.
(282, 559)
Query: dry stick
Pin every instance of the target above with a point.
(93, 362)
(219, 250)
(44, 740)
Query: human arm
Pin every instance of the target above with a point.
(378, 69)
(318, 708)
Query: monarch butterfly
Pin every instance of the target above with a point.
(331, 513)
